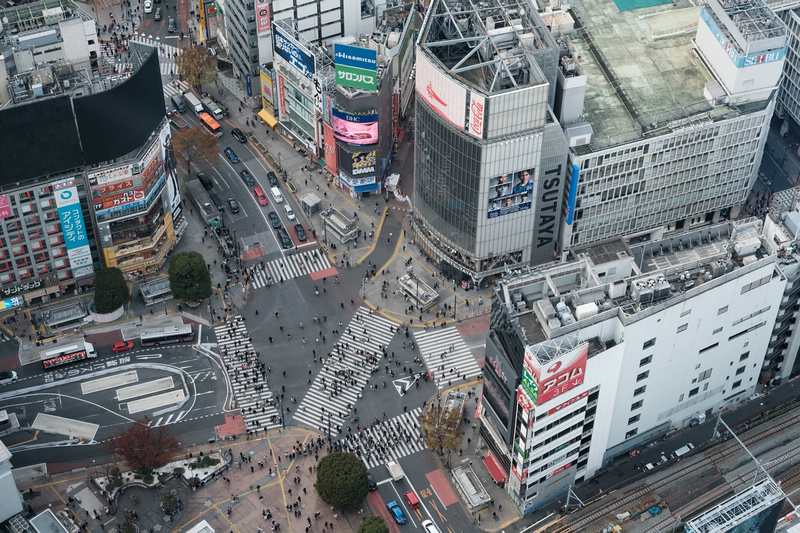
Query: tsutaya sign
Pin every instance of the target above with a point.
(558, 375)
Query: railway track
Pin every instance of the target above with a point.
(784, 422)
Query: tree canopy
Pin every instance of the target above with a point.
(189, 278)
(342, 480)
(110, 290)
(143, 448)
(442, 427)
(373, 524)
(197, 66)
(191, 144)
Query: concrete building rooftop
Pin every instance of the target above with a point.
(645, 71)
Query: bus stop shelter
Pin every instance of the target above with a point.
(310, 204)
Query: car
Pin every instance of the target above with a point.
(122, 346)
(285, 240)
(430, 527)
(301, 232)
(373, 485)
(275, 219)
(7, 377)
(157, 15)
(260, 196)
(231, 155)
(273, 179)
(397, 513)
(148, 6)
(247, 178)
(171, 27)
(411, 499)
(233, 205)
(239, 135)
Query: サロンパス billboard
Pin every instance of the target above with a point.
(356, 67)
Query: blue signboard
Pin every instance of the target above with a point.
(353, 56)
(350, 117)
(573, 192)
(290, 51)
(249, 84)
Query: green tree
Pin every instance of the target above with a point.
(110, 290)
(191, 144)
(442, 427)
(197, 66)
(143, 448)
(373, 524)
(342, 480)
(189, 278)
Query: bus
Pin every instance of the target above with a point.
(210, 125)
(166, 335)
(68, 354)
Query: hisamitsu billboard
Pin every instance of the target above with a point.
(356, 67)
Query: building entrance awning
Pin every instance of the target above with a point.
(266, 117)
(497, 473)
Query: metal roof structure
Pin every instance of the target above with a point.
(746, 505)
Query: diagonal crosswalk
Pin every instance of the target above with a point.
(447, 357)
(287, 268)
(345, 373)
(172, 418)
(385, 441)
(248, 376)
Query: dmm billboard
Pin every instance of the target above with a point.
(356, 67)
(560, 375)
(291, 51)
(444, 95)
(73, 227)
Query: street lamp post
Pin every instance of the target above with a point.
(279, 162)
(329, 434)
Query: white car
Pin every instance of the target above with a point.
(430, 527)
(7, 377)
(148, 6)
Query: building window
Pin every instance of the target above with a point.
(642, 376)
(722, 310)
(633, 419)
(637, 405)
(686, 313)
(682, 327)
(717, 331)
(649, 344)
(711, 347)
(640, 390)
(740, 370)
(694, 391)
(744, 356)
(737, 384)
(646, 361)
(631, 433)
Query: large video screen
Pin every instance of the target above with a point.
(360, 130)
(37, 139)
(118, 121)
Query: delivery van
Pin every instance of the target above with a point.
(177, 101)
(276, 194)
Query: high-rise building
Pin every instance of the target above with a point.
(641, 132)
(577, 352)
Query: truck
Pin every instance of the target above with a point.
(193, 103)
(395, 471)
(212, 108)
(176, 120)
(683, 450)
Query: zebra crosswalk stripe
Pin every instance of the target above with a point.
(300, 264)
(447, 356)
(257, 406)
(386, 441)
(327, 408)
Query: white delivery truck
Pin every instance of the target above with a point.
(395, 471)
(193, 102)
(683, 450)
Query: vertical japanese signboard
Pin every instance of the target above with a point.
(73, 228)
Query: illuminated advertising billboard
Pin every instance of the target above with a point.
(262, 16)
(444, 95)
(355, 129)
(356, 67)
(330, 148)
(364, 163)
(73, 228)
(210, 20)
(266, 87)
(510, 193)
(293, 53)
(5, 207)
(560, 375)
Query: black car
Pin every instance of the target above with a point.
(157, 15)
(273, 179)
(301, 232)
(233, 205)
(171, 27)
(287, 242)
(247, 178)
(239, 135)
(276, 221)
(372, 484)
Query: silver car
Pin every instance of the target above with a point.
(7, 377)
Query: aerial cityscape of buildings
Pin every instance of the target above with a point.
(588, 165)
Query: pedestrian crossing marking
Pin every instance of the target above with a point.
(447, 357)
(293, 266)
(250, 389)
(388, 440)
(339, 385)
